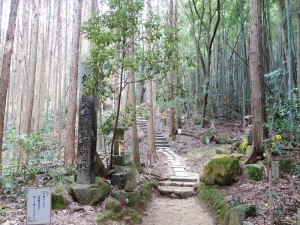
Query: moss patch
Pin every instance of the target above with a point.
(109, 215)
(215, 201)
(253, 173)
(113, 205)
(57, 202)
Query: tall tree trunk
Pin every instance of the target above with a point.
(171, 73)
(290, 51)
(298, 45)
(31, 78)
(39, 74)
(60, 75)
(177, 80)
(22, 72)
(1, 16)
(132, 102)
(257, 80)
(72, 102)
(151, 132)
(5, 70)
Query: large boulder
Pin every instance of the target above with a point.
(240, 213)
(253, 172)
(221, 171)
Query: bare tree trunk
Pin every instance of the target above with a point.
(132, 102)
(151, 132)
(1, 15)
(22, 71)
(177, 80)
(171, 74)
(60, 75)
(39, 75)
(72, 102)
(5, 70)
(257, 82)
(298, 45)
(31, 79)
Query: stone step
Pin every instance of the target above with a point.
(178, 184)
(161, 141)
(176, 191)
(183, 179)
(162, 145)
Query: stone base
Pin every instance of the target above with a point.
(121, 160)
(90, 194)
(119, 179)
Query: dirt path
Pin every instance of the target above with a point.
(167, 211)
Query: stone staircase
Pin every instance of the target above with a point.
(181, 184)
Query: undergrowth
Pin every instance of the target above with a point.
(215, 201)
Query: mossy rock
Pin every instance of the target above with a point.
(220, 156)
(131, 216)
(113, 205)
(130, 198)
(253, 172)
(60, 198)
(131, 170)
(146, 190)
(240, 213)
(208, 136)
(237, 156)
(223, 139)
(90, 194)
(130, 186)
(109, 215)
(221, 171)
(222, 151)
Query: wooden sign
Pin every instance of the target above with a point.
(38, 206)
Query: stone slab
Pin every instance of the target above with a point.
(178, 184)
(180, 169)
(180, 166)
(175, 163)
(181, 174)
(183, 179)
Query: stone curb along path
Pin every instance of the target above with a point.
(181, 184)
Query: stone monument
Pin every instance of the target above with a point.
(87, 132)
(86, 190)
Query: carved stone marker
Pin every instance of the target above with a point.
(276, 169)
(87, 132)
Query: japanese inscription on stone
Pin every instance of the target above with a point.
(86, 133)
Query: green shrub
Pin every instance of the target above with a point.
(242, 148)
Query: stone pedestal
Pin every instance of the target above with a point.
(119, 179)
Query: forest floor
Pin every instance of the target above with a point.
(195, 154)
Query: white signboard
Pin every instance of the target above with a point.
(38, 206)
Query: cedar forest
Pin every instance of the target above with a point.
(192, 102)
